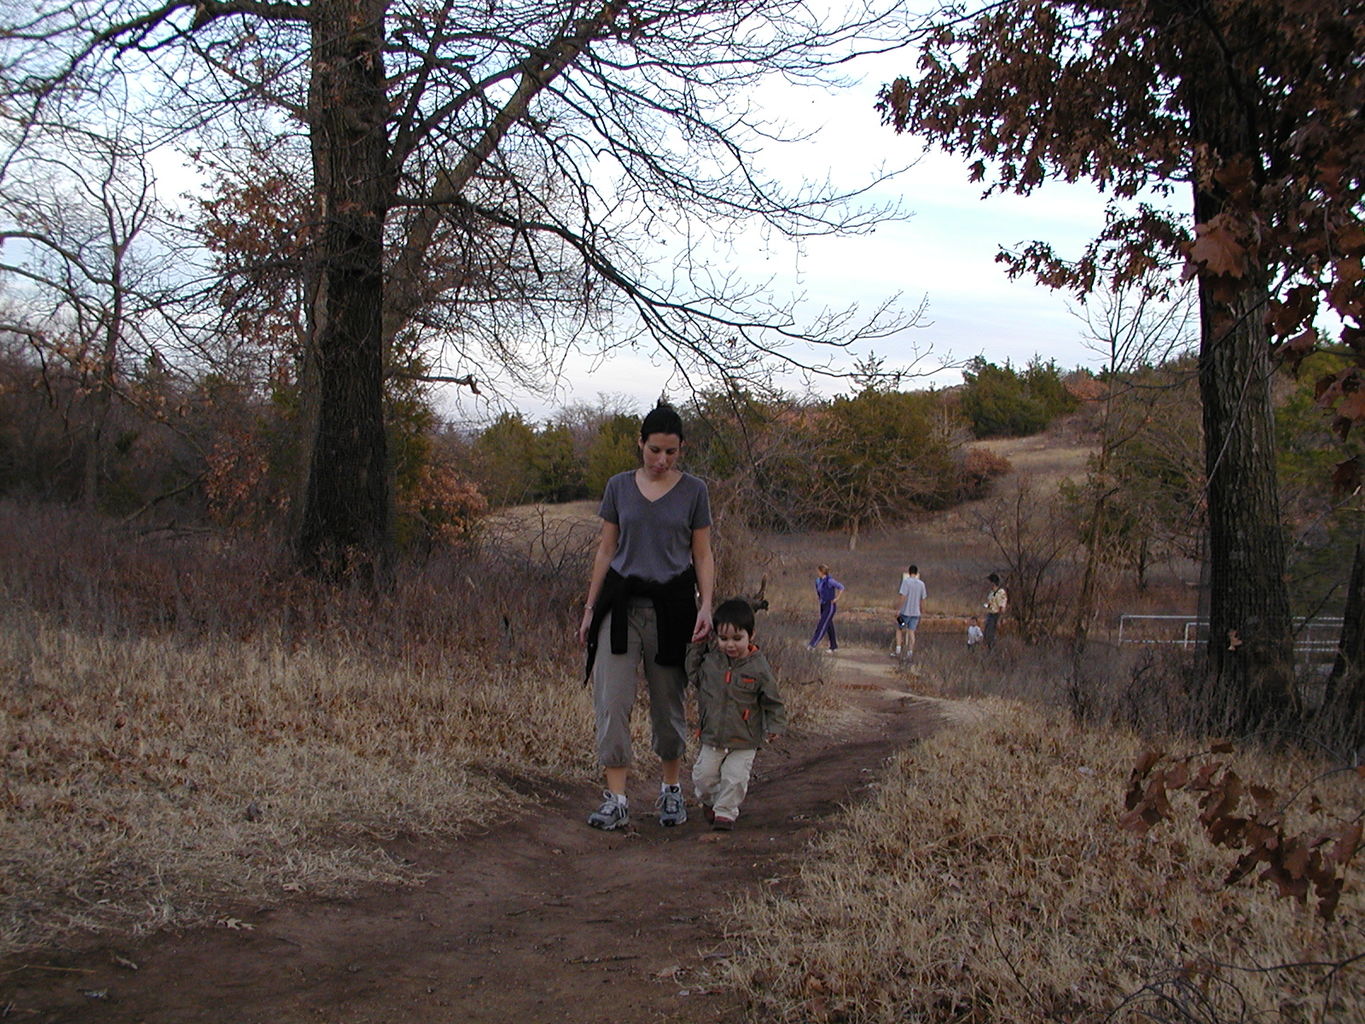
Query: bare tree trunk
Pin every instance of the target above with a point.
(98, 412)
(1093, 535)
(347, 503)
(102, 402)
(306, 422)
(1086, 601)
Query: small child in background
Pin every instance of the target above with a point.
(738, 707)
(974, 634)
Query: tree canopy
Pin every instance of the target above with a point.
(495, 183)
(1112, 93)
(1001, 401)
(1254, 107)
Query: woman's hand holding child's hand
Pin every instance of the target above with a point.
(703, 627)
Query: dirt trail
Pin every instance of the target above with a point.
(539, 920)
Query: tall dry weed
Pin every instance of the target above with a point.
(988, 882)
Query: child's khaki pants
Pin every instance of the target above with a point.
(721, 778)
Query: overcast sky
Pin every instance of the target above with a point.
(943, 254)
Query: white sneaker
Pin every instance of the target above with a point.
(613, 813)
(672, 810)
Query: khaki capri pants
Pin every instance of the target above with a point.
(615, 680)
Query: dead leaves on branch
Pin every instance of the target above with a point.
(1116, 94)
(1342, 395)
(1245, 816)
(1219, 248)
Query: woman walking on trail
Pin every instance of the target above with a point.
(827, 589)
(649, 594)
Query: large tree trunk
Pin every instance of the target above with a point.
(347, 503)
(1250, 633)
(1250, 646)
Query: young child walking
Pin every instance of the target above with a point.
(738, 706)
(974, 634)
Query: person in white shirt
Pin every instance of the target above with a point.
(996, 602)
(912, 595)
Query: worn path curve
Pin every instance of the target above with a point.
(539, 920)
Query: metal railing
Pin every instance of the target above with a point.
(1311, 635)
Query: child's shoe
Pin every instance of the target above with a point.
(720, 823)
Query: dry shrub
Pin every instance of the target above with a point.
(1140, 688)
(439, 507)
(980, 468)
(95, 577)
(988, 882)
(103, 579)
(742, 561)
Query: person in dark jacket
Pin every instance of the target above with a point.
(738, 708)
(649, 594)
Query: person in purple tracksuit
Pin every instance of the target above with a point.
(828, 589)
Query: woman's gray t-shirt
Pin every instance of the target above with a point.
(656, 536)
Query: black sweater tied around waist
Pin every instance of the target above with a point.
(675, 610)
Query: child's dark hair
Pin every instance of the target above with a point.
(662, 419)
(735, 612)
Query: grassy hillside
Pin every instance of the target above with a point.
(185, 729)
(988, 880)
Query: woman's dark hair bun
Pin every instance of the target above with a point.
(662, 419)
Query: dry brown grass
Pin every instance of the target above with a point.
(545, 531)
(988, 881)
(148, 781)
(1047, 458)
(184, 731)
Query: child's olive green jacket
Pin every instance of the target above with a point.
(738, 702)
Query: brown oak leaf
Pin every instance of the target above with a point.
(1217, 249)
